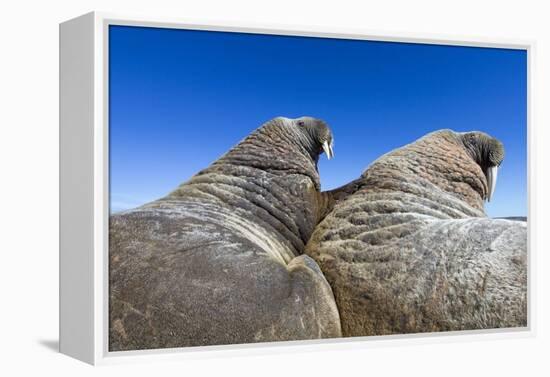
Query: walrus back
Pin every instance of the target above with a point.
(187, 275)
(217, 261)
(408, 247)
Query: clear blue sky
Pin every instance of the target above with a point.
(179, 99)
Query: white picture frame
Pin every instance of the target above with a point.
(84, 190)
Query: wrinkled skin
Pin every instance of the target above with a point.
(218, 260)
(408, 247)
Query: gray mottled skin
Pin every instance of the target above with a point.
(218, 260)
(408, 247)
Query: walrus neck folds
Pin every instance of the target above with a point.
(272, 177)
(438, 159)
(278, 147)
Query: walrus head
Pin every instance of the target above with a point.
(318, 133)
(488, 153)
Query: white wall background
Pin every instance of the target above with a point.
(29, 183)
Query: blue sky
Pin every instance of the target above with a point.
(179, 99)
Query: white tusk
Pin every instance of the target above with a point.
(492, 173)
(328, 150)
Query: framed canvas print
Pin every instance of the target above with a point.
(233, 188)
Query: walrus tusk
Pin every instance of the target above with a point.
(491, 173)
(328, 150)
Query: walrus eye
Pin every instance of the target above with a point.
(300, 123)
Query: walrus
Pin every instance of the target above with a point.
(408, 247)
(218, 260)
